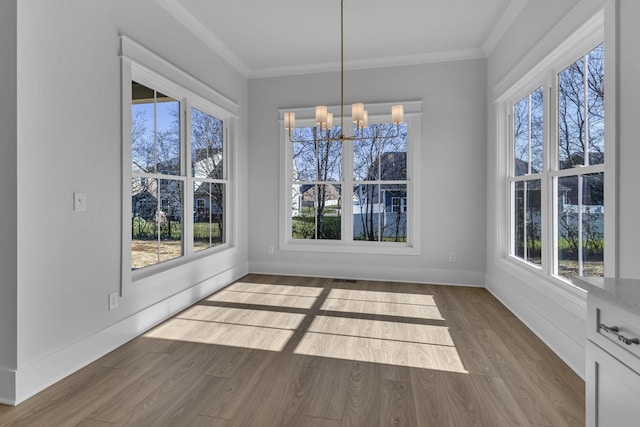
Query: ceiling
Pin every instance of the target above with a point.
(264, 38)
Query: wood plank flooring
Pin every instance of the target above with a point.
(296, 351)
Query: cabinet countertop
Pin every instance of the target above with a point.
(624, 293)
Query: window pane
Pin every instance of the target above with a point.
(206, 145)
(318, 212)
(380, 212)
(593, 224)
(528, 134)
(394, 215)
(521, 136)
(367, 206)
(528, 221)
(144, 229)
(316, 159)
(155, 131)
(169, 219)
(533, 221)
(581, 111)
(537, 134)
(571, 115)
(518, 221)
(208, 215)
(595, 103)
(380, 157)
(568, 228)
(581, 225)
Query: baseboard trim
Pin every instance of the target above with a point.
(39, 375)
(7, 387)
(373, 273)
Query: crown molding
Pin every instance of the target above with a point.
(365, 64)
(505, 21)
(175, 9)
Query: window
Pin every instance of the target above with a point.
(556, 180)
(527, 172)
(176, 191)
(209, 184)
(157, 187)
(579, 177)
(354, 194)
(380, 175)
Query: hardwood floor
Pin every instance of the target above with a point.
(294, 351)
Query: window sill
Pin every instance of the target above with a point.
(152, 270)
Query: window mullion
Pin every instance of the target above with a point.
(188, 197)
(347, 191)
(549, 222)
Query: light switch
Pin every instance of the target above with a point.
(79, 202)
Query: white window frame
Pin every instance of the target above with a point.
(378, 113)
(601, 28)
(143, 66)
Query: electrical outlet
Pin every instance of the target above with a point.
(114, 300)
(453, 257)
(270, 250)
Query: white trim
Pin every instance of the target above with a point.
(501, 27)
(191, 23)
(373, 272)
(147, 60)
(536, 63)
(371, 63)
(611, 170)
(7, 387)
(39, 375)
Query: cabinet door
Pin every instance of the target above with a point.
(613, 391)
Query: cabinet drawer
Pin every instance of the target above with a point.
(615, 330)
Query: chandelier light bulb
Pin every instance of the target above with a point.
(321, 114)
(329, 120)
(289, 120)
(357, 112)
(397, 114)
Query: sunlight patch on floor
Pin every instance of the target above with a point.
(253, 298)
(380, 296)
(409, 329)
(386, 330)
(383, 308)
(415, 355)
(207, 332)
(264, 288)
(242, 316)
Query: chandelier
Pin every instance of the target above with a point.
(359, 115)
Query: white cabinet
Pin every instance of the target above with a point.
(613, 365)
(613, 391)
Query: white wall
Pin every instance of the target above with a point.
(8, 211)
(557, 312)
(452, 212)
(69, 139)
